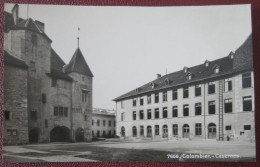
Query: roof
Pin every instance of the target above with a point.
(242, 60)
(57, 67)
(12, 60)
(104, 112)
(78, 64)
(28, 24)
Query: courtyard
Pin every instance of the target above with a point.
(122, 150)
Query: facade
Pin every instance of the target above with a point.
(103, 123)
(213, 100)
(45, 100)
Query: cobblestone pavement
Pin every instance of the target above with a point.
(123, 150)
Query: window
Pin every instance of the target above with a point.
(198, 109)
(156, 113)
(61, 111)
(46, 123)
(33, 115)
(141, 130)
(84, 96)
(228, 84)
(198, 129)
(7, 115)
(104, 133)
(228, 105)
(165, 112)
(211, 88)
(247, 127)
(185, 92)
(149, 99)
(56, 111)
(246, 80)
(197, 90)
(93, 133)
(109, 123)
(32, 66)
(104, 122)
(85, 117)
(149, 114)
(186, 110)
(228, 127)
(134, 131)
(122, 116)
(156, 97)
(53, 82)
(212, 107)
(189, 76)
(166, 81)
(34, 45)
(98, 122)
(157, 130)
(141, 114)
(141, 101)
(165, 96)
(114, 123)
(92, 122)
(44, 98)
(175, 129)
(134, 102)
(134, 115)
(174, 94)
(98, 133)
(216, 70)
(247, 103)
(174, 111)
(12, 132)
(83, 78)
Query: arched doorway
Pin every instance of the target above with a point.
(60, 134)
(165, 131)
(122, 131)
(79, 135)
(34, 135)
(134, 131)
(212, 131)
(186, 131)
(149, 131)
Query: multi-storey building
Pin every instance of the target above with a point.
(45, 100)
(213, 100)
(103, 123)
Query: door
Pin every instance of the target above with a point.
(165, 131)
(212, 132)
(186, 131)
(122, 131)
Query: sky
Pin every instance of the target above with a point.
(125, 47)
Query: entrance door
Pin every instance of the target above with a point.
(186, 131)
(60, 134)
(149, 131)
(34, 135)
(212, 132)
(79, 135)
(165, 131)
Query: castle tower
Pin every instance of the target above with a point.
(79, 70)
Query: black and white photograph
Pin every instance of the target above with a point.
(128, 84)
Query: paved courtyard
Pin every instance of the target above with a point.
(118, 150)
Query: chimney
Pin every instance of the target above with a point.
(159, 76)
(40, 25)
(15, 12)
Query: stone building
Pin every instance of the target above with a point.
(45, 100)
(213, 100)
(103, 123)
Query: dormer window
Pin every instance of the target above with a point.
(189, 76)
(231, 55)
(206, 63)
(185, 69)
(166, 81)
(216, 69)
(152, 85)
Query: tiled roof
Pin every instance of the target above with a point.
(242, 60)
(59, 74)
(12, 60)
(78, 64)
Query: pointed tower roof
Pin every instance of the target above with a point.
(78, 64)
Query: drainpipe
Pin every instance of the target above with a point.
(204, 98)
(71, 121)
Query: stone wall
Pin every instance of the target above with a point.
(15, 101)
